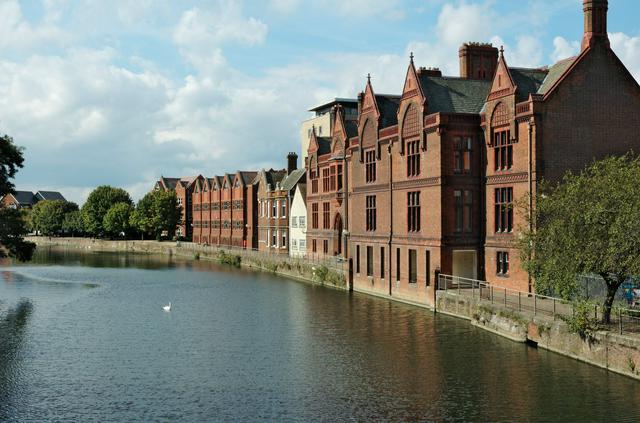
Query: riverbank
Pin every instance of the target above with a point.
(612, 351)
(330, 273)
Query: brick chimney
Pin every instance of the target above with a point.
(595, 23)
(292, 162)
(429, 71)
(478, 61)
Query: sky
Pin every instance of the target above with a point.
(119, 92)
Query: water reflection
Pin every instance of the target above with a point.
(13, 323)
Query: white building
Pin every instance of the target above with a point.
(298, 223)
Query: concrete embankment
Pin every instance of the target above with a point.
(613, 351)
(326, 273)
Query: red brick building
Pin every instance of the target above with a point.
(275, 190)
(434, 174)
(326, 191)
(183, 188)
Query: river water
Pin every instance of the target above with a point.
(83, 337)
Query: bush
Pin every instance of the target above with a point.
(582, 322)
(224, 258)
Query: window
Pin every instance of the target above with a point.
(503, 210)
(325, 246)
(274, 209)
(339, 177)
(398, 264)
(413, 266)
(413, 158)
(332, 178)
(294, 222)
(462, 154)
(369, 261)
(284, 239)
(309, 133)
(283, 205)
(413, 211)
(274, 238)
(502, 150)
(427, 270)
(382, 262)
(314, 246)
(303, 222)
(314, 215)
(294, 244)
(303, 244)
(502, 263)
(326, 220)
(463, 209)
(314, 181)
(370, 212)
(325, 180)
(320, 130)
(357, 259)
(370, 165)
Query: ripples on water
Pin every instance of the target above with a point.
(86, 340)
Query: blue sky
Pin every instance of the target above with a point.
(119, 92)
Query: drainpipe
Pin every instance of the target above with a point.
(390, 214)
(532, 124)
(345, 191)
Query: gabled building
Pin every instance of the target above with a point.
(275, 190)
(27, 199)
(434, 175)
(183, 188)
(540, 123)
(298, 222)
(326, 200)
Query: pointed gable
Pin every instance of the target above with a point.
(412, 86)
(339, 133)
(502, 84)
(411, 108)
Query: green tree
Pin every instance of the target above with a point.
(116, 221)
(588, 224)
(157, 212)
(98, 204)
(73, 223)
(48, 216)
(13, 224)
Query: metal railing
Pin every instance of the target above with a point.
(622, 320)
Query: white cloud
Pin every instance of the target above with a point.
(16, 33)
(628, 50)
(563, 49)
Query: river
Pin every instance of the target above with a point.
(83, 337)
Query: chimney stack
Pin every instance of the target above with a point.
(595, 23)
(478, 61)
(292, 162)
(429, 71)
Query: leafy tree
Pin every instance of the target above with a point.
(98, 204)
(73, 223)
(157, 212)
(588, 224)
(13, 225)
(48, 216)
(116, 221)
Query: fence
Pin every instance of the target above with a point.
(622, 320)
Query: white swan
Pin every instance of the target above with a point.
(167, 307)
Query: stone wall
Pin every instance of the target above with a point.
(612, 351)
(323, 272)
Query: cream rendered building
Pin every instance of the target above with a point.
(298, 223)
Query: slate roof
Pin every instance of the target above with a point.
(247, 176)
(388, 107)
(528, 81)
(49, 195)
(25, 198)
(351, 126)
(454, 95)
(292, 179)
(170, 183)
(555, 73)
(324, 145)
